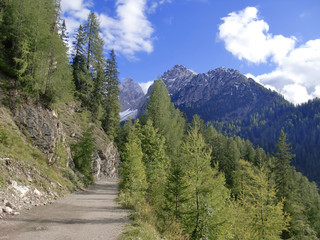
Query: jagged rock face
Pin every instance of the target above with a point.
(106, 161)
(46, 131)
(131, 94)
(177, 78)
(44, 128)
(222, 94)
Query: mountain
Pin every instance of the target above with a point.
(131, 98)
(237, 105)
(221, 94)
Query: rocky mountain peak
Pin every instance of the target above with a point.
(131, 98)
(129, 85)
(177, 77)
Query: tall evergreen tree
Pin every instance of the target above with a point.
(32, 51)
(81, 78)
(111, 103)
(95, 63)
(282, 167)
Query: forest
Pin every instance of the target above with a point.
(182, 180)
(187, 181)
(301, 124)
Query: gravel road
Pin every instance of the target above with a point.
(88, 215)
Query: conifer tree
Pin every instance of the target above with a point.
(282, 167)
(207, 204)
(95, 63)
(32, 51)
(165, 117)
(81, 78)
(133, 181)
(156, 163)
(111, 104)
(258, 213)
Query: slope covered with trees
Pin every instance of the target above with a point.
(36, 69)
(300, 123)
(195, 183)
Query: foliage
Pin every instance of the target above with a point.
(32, 50)
(111, 103)
(82, 153)
(209, 186)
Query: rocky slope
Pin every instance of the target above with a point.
(35, 159)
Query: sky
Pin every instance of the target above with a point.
(276, 42)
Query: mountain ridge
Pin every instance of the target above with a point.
(205, 92)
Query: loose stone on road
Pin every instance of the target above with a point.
(91, 214)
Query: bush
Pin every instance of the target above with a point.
(82, 152)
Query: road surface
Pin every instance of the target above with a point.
(88, 215)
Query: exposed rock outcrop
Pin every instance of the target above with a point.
(44, 128)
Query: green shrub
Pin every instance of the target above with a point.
(82, 152)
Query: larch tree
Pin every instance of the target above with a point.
(205, 216)
(258, 214)
(156, 163)
(133, 173)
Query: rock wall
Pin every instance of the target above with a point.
(46, 130)
(106, 162)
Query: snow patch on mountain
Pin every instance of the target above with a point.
(145, 86)
(128, 113)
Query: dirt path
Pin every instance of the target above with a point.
(91, 215)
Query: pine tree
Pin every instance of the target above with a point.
(282, 167)
(95, 63)
(82, 152)
(81, 78)
(111, 104)
(32, 51)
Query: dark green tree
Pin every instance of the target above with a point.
(282, 167)
(81, 78)
(82, 154)
(111, 104)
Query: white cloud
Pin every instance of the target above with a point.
(295, 93)
(247, 37)
(300, 68)
(128, 32)
(297, 72)
(145, 86)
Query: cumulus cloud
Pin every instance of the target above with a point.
(128, 32)
(247, 37)
(297, 72)
(297, 75)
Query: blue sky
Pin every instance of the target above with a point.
(277, 42)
